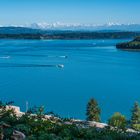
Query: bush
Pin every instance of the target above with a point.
(118, 120)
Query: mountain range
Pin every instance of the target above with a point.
(109, 26)
(91, 27)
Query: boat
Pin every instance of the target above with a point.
(60, 66)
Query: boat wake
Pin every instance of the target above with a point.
(36, 55)
(6, 65)
(4, 57)
(63, 56)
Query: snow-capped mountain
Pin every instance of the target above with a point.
(63, 26)
(59, 25)
(75, 27)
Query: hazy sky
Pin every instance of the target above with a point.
(69, 11)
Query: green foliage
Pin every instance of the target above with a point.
(39, 34)
(135, 44)
(118, 120)
(137, 38)
(36, 128)
(93, 111)
(136, 127)
(135, 118)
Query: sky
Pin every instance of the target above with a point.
(18, 12)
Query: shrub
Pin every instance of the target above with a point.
(118, 120)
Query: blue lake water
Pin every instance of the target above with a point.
(93, 68)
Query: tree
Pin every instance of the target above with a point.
(118, 120)
(93, 111)
(135, 118)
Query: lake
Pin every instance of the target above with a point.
(30, 71)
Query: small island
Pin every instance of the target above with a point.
(132, 45)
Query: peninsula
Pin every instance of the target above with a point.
(132, 45)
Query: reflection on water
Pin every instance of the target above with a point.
(64, 75)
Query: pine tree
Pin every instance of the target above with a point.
(135, 118)
(93, 111)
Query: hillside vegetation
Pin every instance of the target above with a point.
(35, 125)
(28, 33)
(132, 45)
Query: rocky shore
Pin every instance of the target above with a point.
(82, 123)
(79, 123)
(21, 125)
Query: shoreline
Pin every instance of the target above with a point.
(77, 122)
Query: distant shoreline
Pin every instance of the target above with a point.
(27, 33)
(67, 36)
